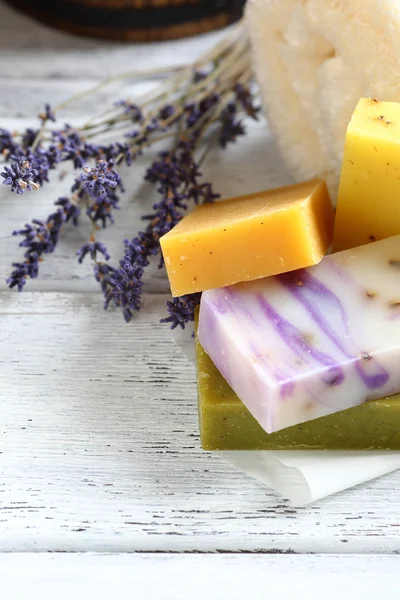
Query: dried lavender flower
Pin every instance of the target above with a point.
(121, 286)
(99, 181)
(40, 237)
(232, 127)
(104, 275)
(181, 310)
(23, 271)
(71, 210)
(99, 184)
(131, 109)
(28, 138)
(166, 112)
(245, 98)
(47, 114)
(20, 176)
(92, 248)
(7, 143)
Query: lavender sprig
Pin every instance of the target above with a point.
(201, 103)
(40, 237)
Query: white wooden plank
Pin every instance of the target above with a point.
(23, 98)
(30, 49)
(100, 449)
(179, 577)
(230, 173)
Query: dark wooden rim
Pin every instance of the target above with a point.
(92, 16)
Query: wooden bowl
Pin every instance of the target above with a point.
(133, 20)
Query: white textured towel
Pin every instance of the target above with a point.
(313, 60)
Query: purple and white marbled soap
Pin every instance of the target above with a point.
(312, 342)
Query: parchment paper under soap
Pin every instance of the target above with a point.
(302, 476)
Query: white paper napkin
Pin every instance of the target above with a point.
(302, 476)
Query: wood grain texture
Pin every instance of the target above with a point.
(219, 577)
(100, 448)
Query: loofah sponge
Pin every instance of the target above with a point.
(313, 60)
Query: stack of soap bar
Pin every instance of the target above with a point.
(226, 424)
(368, 206)
(309, 343)
(249, 237)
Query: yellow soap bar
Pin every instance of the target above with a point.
(368, 206)
(248, 237)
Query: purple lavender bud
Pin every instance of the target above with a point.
(231, 127)
(166, 112)
(208, 102)
(29, 231)
(131, 109)
(104, 275)
(195, 111)
(154, 125)
(99, 181)
(20, 176)
(133, 134)
(50, 157)
(92, 248)
(181, 310)
(126, 151)
(127, 289)
(40, 161)
(29, 137)
(19, 276)
(21, 273)
(199, 75)
(245, 99)
(47, 114)
(203, 193)
(71, 211)
(193, 115)
(7, 143)
(71, 147)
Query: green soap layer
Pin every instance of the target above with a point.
(226, 424)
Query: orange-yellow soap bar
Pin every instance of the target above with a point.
(248, 237)
(368, 206)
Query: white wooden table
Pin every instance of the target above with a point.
(104, 488)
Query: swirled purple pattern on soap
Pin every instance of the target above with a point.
(311, 342)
